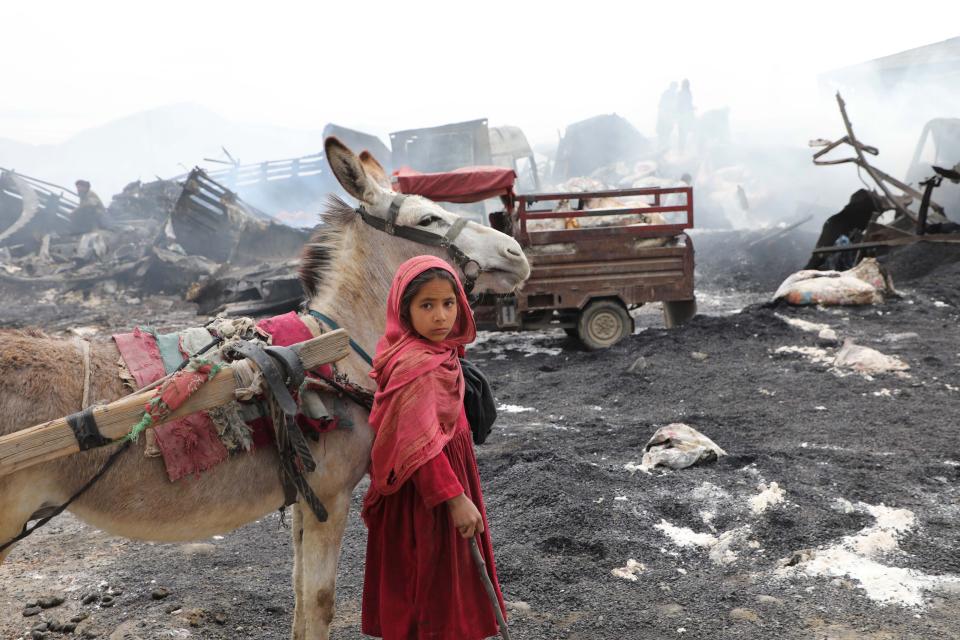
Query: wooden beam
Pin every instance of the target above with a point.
(940, 238)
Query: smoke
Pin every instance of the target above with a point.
(762, 173)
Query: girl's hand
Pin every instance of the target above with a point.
(465, 515)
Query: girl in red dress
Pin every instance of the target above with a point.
(424, 502)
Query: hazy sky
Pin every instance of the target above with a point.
(385, 66)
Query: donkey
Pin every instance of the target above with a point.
(346, 270)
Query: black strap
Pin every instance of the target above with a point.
(85, 430)
(292, 476)
(272, 374)
(281, 367)
(455, 230)
(291, 364)
(428, 238)
(393, 212)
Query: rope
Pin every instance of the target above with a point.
(248, 378)
(84, 348)
(157, 410)
(333, 325)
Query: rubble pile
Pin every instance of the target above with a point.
(876, 222)
(192, 239)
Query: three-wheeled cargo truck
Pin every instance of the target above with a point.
(594, 255)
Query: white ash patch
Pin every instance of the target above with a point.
(850, 357)
(813, 354)
(823, 331)
(526, 342)
(726, 302)
(720, 548)
(770, 495)
(709, 492)
(723, 551)
(707, 517)
(855, 557)
(803, 325)
(844, 506)
(940, 304)
(834, 447)
(952, 463)
(684, 536)
(899, 337)
(630, 571)
(633, 467)
(513, 408)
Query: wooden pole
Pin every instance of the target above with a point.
(55, 439)
(488, 586)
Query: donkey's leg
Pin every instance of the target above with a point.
(21, 496)
(299, 620)
(319, 555)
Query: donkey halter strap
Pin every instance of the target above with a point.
(469, 266)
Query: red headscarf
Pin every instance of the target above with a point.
(419, 384)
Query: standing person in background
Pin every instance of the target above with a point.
(90, 213)
(424, 503)
(666, 115)
(685, 115)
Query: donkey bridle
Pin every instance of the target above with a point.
(470, 267)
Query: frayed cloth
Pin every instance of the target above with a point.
(202, 440)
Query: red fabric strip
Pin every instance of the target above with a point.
(141, 355)
(285, 330)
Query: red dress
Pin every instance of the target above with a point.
(421, 581)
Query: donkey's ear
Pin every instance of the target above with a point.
(374, 170)
(347, 168)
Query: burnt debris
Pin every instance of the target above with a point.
(193, 238)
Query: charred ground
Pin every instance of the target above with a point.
(565, 511)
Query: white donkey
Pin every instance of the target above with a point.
(346, 269)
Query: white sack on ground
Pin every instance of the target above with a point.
(864, 284)
(679, 446)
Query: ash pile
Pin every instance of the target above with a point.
(191, 238)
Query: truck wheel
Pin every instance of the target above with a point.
(603, 323)
(677, 312)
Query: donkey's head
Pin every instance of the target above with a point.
(489, 260)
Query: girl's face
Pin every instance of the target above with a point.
(433, 310)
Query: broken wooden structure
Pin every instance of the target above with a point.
(917, 216)
(242, 260)
(195, 238)
(29, 209)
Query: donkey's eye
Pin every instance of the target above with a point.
(426, 221)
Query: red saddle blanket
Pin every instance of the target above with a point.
(192, 444)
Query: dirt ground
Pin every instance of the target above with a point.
(832, 516)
